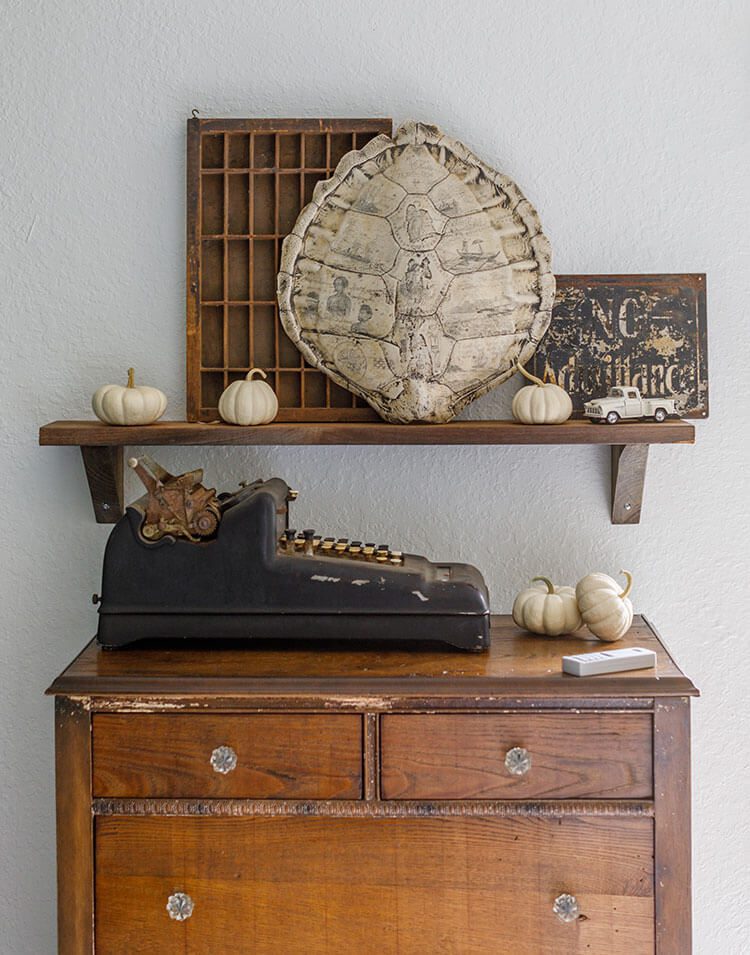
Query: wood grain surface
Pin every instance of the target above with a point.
(247, 181)
(282, 756)
(371, 432)
(104, 473)
(517, 664)
(673, 874)
(462, 756)
(628, 482)
(374, 887)
(75, 829)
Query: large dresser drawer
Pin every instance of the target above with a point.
(320, 886)
(256, 756)
(535, 756)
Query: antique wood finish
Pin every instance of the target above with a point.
(165, 433)
(283, 756)
(584, 756)
(407, 887)
(674, 928)
(247, 180)
(104, 473)
(628, 479)
(629, 441)
(517, 666)
(387, 821)
(75, 832)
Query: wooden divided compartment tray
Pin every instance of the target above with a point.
(247, 181)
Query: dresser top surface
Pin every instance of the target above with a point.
(517, 664)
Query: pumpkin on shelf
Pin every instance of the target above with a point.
(546, 609)
(604, 606)
(129, 404)
(249, 401)
(540, 402)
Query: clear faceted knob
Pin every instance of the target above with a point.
(180, 906)
(224, 760)
(566, 907)
(518, 761)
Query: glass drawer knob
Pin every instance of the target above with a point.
(224, 760)
(518, 761)
(180, 906)
(566, 907)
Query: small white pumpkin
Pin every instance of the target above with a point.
(130, 404)
(541, 403)
(249, 401)
(604, 606)
(547, 609)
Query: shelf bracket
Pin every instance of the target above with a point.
(104, 472)
(628, 477)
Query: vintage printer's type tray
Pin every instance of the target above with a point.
(247, 180)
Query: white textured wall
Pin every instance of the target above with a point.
(627, 126)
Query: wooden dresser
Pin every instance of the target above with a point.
(225, 801)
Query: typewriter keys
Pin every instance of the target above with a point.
(310, 543)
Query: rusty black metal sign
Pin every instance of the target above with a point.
(648, 331)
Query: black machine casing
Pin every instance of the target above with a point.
(243, 584)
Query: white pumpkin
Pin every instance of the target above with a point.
(547, 609)
(541, 403)
(604, 606)
(130, 404)
(249, 401)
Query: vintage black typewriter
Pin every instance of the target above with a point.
(184, 562)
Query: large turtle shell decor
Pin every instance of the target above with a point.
(417, 277)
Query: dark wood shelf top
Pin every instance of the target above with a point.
(94, 433)
(517, 665)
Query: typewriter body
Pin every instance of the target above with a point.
(184, 563)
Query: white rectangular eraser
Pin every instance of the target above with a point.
(609, 661)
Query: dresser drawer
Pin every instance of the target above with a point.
(534, 756)
(322, 886)
(258, 756)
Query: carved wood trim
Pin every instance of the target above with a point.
(375, 808)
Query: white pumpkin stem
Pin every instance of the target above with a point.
(540, 383)
(629, 577)
(546, 580)
(131, 378)
(255, 371)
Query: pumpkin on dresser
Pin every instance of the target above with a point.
(546, 609)
(605, 607)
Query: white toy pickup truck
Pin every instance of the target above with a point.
(627, 403)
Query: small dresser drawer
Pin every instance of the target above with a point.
(362, 886)
(255, 756)
(534, 756)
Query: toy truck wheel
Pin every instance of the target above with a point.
(613, 417)
(660, 415)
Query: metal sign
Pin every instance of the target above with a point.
(648, 331)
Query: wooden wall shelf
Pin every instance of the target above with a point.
(102, 446)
